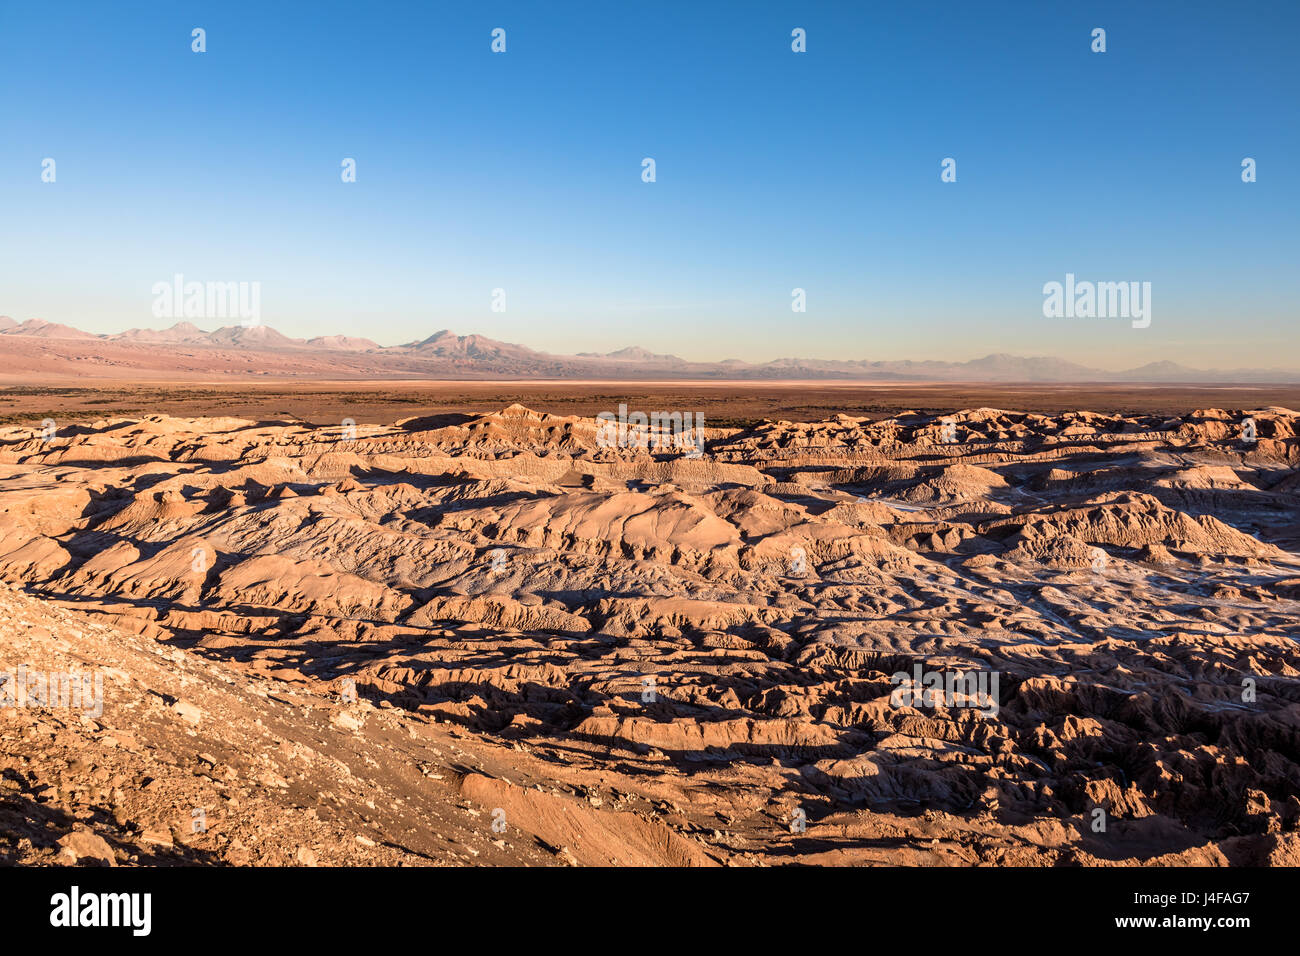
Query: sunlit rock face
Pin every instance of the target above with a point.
(767, 644)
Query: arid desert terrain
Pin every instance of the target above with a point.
(490, 636)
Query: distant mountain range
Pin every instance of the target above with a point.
(36, 349)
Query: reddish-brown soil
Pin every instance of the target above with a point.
(492, 638)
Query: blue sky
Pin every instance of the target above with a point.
(775, 170)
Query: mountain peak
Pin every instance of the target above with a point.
(39, 328)
(184, 346)
(633, 353)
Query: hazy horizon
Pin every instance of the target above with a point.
(159, 327)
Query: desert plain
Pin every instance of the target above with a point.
(437, 623)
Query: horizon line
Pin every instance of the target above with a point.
(83, 335)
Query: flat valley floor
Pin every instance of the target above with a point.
(723, 403)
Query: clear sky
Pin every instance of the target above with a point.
(775, 170)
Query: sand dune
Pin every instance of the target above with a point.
(656, 658)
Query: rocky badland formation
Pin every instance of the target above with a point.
(496, 640)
